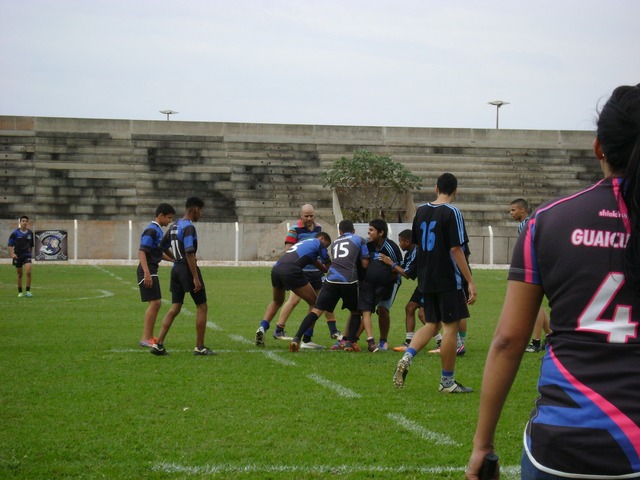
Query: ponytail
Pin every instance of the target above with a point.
(631, 196)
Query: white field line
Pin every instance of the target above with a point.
(214, 327)
(411, 426)
(241, 339)
(278, 359)
(336, 387)
(506, 472)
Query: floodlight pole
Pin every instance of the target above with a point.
(498, 104)
(168, 112)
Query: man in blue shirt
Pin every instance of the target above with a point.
(20, 246)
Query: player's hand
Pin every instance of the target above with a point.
(197, 286)
(474, 467)
(148, 282)
(473, 294)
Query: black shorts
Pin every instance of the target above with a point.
(21, 260)
(331, 293)
(314, 277)
(149, 294)
(371, 294)
(182, 282)
(288, 276)
(445, 307)
(417, 297)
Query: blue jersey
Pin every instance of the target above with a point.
(305, 253)
(346, 252)
(409, 264)
(299, 232)
(378, 272)
(22, 242)
(182, 239)
(150, 245)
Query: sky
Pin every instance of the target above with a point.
(409, 63)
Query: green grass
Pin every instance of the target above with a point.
(80, 399)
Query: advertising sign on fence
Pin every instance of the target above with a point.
(51, 245)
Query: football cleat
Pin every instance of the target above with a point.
(311, 346)
(401, 348)
(531, 348)
(383, 346)
(455, 387)
(28, 294)
(337, 335)
(294, 346)
(401, 371)
(203, 351)
(148, 343)
(281, 335)
(260, 337)
(158, 349)
(20, 294)
(460, 350)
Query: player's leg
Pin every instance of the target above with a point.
(287, 309)
(19, 279)
(27, 271)
(201, 324)
(150, 316)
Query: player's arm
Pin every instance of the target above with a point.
(142, 257)
(12, 252)
(191, 261)
(463, 266)
(395, 267)
(510, 339)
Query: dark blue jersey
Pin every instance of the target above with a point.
(299, 232)
(587, 417)
(22, 242)
(346, 253)
(150, 245)
(437, 228)
(305, 253)
(379, 272)
(409, 263)
(182, 239)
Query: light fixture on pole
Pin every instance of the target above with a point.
(168, 112)
(498, 104)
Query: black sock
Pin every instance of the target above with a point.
(309, 320)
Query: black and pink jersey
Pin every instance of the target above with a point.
(587, 419)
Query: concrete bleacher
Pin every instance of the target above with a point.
(109, 170)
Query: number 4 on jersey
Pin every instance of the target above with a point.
(620, 328)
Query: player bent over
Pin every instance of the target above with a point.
(341, 283)
(288, 274)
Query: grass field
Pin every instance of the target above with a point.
(80, 399)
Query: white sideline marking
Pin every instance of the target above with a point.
(213, 326)
(241, 339)
(277, 358)
(339, 389)
(437, 438)
(506, 473)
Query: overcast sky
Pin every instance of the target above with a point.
(420, 63)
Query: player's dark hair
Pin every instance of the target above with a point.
(194, 202)
(324, 235)
(619, 135)
(521, 203)
(405, 234)
(380, 225)
(447, 183)
(165, 209)
(24, 216)
(346, 226)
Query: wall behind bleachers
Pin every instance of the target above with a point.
(99, 169)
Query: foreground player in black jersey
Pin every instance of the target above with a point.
(583, 253)
(440, 235)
